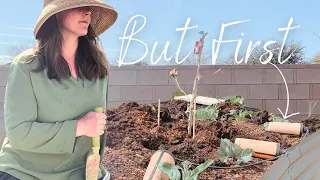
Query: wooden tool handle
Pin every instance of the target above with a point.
(262, 156)
(96, 139)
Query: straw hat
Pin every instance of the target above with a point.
(103, 15)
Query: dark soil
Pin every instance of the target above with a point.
(313, 123)
(134, 135)
(260, 117)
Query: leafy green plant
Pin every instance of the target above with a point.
(232, 153)
(173, 171)
(241, 116)
(278, 119)
(235, 100)
(208, 113)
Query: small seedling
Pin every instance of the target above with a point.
(241, 116)
(278, 119)
(208, 113)
(235, 100)
(232, 153)
(173, 171)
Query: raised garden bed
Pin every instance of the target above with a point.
(134, 136)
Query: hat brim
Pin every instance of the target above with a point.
(103, 16)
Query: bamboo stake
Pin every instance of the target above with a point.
(158, 112)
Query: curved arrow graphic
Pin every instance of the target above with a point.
(285, 115)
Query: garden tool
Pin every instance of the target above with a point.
(93, 160)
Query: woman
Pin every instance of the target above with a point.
(52, 91)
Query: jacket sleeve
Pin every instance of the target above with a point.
(20, 115)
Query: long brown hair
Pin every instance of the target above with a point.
(90, 60)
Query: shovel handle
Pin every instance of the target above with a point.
(96, 139)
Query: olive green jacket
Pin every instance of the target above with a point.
(40, 121)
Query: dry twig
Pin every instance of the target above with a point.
(174, 74)
(311, 108)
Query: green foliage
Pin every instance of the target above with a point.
(235, 100)
(278, 119)
(265, 125)
(233, 112)
(177, 93)
(241, 116)
(232, 153)
(208, 113)
(173, 171)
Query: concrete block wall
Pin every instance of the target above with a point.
(262, 86)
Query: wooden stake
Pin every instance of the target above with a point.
(194, 119)
(158, 112)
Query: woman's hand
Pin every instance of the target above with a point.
(92, 124)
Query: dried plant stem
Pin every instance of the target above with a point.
(191, 109)
(159, 112)
(192, 119)
(175, 78)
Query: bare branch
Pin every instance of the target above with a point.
(15, 49)
(293, 49)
